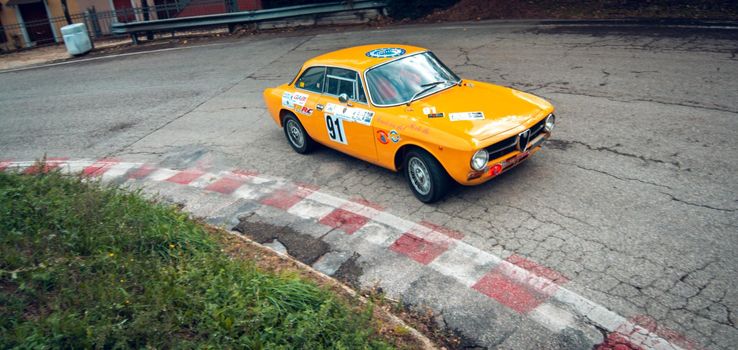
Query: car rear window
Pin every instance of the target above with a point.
(312, 79)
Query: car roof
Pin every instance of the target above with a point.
(356, 57)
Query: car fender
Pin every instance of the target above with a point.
(454, 161)
(273, 102)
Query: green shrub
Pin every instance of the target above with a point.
(88, 266)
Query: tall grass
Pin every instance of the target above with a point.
(88, 266)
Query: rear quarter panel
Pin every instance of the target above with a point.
(273, 102)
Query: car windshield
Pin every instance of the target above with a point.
(407, 79)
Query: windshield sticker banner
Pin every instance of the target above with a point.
(350, 114)
(387, 52)
(466, 116)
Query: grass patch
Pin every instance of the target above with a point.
(85, 265)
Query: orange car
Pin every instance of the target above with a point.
(401, 108)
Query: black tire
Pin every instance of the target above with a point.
(295, 132)
(420, 162)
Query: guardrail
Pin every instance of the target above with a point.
(172, 24)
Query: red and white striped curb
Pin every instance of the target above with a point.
(515, 282)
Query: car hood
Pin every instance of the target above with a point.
(503, 109)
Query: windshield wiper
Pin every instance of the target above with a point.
(428, 87)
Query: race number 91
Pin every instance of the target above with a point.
(335, 129)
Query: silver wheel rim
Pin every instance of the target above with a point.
(419, 176)
(295, 134)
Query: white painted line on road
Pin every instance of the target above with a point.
(552, 317)
(118, 170)
(162, 174)
(204, 180)
(465, 264)
(308, 209)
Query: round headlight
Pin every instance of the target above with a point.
(480, 159)
(550, 122)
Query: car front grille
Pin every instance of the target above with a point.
(507, 145)
(537, 129)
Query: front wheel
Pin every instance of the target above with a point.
(296, 135)
(426, 177)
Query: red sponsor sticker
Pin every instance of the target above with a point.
(305, 110)
(382, 137)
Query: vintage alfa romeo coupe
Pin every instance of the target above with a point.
(401, 108)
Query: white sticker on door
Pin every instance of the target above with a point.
(287, 100)
(334, 125)
(351, 114)
(299, 99)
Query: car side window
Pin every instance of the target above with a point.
(344, 81)
(312, 79)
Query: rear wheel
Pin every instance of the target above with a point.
(296, 135)
(426, 177)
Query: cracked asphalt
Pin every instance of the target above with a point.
(634, 199)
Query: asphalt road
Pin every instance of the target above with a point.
(634, 200)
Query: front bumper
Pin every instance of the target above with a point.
(497, 166)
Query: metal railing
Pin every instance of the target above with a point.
(230, 19)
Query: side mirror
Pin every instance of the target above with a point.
(343, 98)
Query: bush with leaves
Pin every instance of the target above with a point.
(88, 266)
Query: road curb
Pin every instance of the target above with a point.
(515, 283)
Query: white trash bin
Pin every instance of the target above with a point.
(76, 39)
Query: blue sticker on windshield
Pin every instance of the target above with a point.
(386, 52)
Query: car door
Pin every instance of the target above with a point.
(347, 125)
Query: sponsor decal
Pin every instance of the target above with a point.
(394, 136)
(516, 159)
(431, 112)
(382, 137)
(299, 99)
(387, 52)
(287, 100)
(466, 116)
(350, 114)
(304, 110)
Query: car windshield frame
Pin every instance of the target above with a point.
(433, 57)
